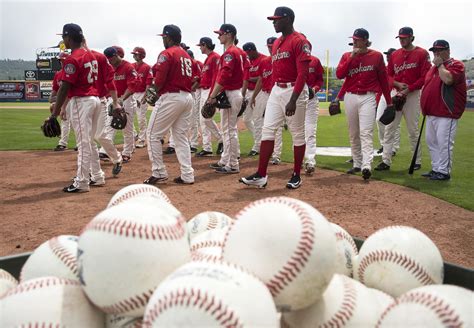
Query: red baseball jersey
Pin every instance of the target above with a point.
(231, 70)
(439, 99)
(409, 67)
(145, 76)
(245, 63)
(209, 70)
(174, 70)
(199, 70)
(196, 70)
(364, 72)
(125, 77)
(291, 55)
(265, 71)
(57, 80)
(253, 70)
(105, 76)
(80, 70)
(315, 74)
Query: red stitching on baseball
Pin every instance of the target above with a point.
(4, 275)
(340, 235)
(30, 285)
(298, 260)
(205, 244)
(139, 230)
(400, 259)
(345, 312)
(37, 324)
(442, 310)
(63, 254)
(212, 223)
(135, 192)
(193, 298)
(128, 304)
(205, 257)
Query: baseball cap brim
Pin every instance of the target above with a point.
(437, 47)
(219, 32)
(356, 38)
(274, 17)
(403, 36)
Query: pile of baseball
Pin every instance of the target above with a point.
(278, 263)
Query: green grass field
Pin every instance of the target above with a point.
(20, 122)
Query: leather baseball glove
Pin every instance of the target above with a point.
(335, 107)
(243, 107)
(51, 128)
(119, 119)
(311, 93)
(151, 95)
(208, 110)
(388, 115)
(398, 101)
(222, 101)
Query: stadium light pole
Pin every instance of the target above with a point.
(224, 10)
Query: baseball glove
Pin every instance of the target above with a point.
(151, 95)
(243, 107)
(119, 119)
(388, 115)
(222, 100)
(398, 101)
(208, 110)
(335, 107)
(51, 128)
(310, 93)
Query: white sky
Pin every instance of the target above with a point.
(28, 25)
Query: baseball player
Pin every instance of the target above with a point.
(291, 55)
(381, 105)
(253, 115)
(65, 122)
(365, 74)
(145, 78)
(126, 81)
(315, 81)
(229, 79)
(443, 101)
(196, 113)
(408, 67)
(173, 81)
(209, 128)
(77, 83)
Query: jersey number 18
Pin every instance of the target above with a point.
(186, 67)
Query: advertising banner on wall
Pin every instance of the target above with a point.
(32, 90)
(31, 75)
(46, 75)
(10, 90)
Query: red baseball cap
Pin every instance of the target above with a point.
(139, 51)
(120, 51)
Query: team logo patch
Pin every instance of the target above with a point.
(228, 58)
(306, 49)
(162, 59)
(70, 69)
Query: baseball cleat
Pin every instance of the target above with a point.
(275, 160)
(226, 170)
(96, 184)
(154, 180)
(216, 166)
(140, 144)
(73, 189)
(309, 169)
(382, 167)
(193, 149)
(169, 151)
(178, 180)
(294, 182)
(353, 170)
(60, 148)
(255, 180)
(253, 153)
(116, 169)
(380, 151)
(366, 174)
(429, 174)
(204, 153)
(417, 167)
(220, 148)
(104, 157)
(440, 177)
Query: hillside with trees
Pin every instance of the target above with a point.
(14, 69)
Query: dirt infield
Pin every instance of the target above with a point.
(35, 209)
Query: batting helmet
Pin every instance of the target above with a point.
(139, 51)
(120, 51)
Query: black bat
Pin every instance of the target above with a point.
(413, 160)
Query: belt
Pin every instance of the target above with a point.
(360, 93)
(205, 88)
(285, 85)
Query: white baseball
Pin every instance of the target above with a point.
(127, 250)
(211, 294)
(135, 191)
(208, 245)
(207, 221)
(55, 257)
(431, 306)
(345, 303)
(398, 258)
(288, 244)
(7, 282)
(346, 251)
(49, 302)
(118, 321)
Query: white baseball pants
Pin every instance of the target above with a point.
(102, 135)
(229, 157)
(208, 126)
(381, 127)
(194, 124)
(141, 115)
(257, 117)
(130, 106)
(440, 133)
(311, 126)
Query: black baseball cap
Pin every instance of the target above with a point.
(249, 46)
(71, 29)
(110, 52)
(282, 12)
(360, 34)
(271, 40)
(205, 41)
(190, 53)
(440, 45)
(184, 46)
(171, 31)
(405, 32)
(227, 28)
(389, 51)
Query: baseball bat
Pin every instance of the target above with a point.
(413, 160)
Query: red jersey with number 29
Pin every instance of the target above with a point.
(174, 70)
(80, 70)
